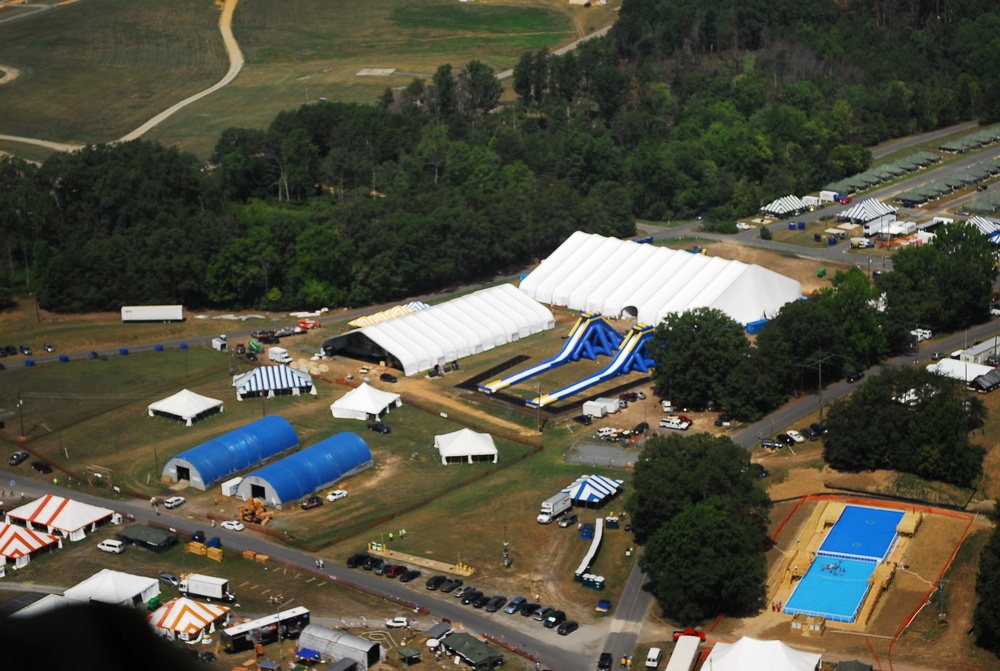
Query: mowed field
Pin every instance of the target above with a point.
(96, 69)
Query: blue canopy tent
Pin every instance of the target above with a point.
(593, 491)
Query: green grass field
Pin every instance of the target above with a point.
(93, 71)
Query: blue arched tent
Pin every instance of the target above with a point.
(308, 471)
(220, 457)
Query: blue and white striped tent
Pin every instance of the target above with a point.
(593, 490)
(273, 379)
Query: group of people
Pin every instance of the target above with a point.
(320, 563)
(776, 606)
(835, 569)
(401, 534)
(626, 661)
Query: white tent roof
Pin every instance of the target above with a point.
(593, 488)
(17, 541)
(114, 587)
(785, 205)
(465, 443)
(867, 210)
(56, 512)
(597, 274)
(749, 654)
(458, 328)
(186, 616)
(186, 405)
(272, 378)
(363, 401)
(985, 225)
(959, 370)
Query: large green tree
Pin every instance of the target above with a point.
(986, 616)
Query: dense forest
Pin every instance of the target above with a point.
(683, 109)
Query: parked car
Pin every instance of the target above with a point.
(356, 560)
(232, 525)
(459, 592)
(409, 576)
(48, 348)
(567, 520)
(585, 420)
(174, 502)
(251, 356)
(770, 444)
(543, 613)
(113, 546)
(18, 457)
(336, 495)
(741, 226)
(198, 536)
(93, 355)
(784, 439)
(554, 619)
(530, 609)
(604, 662)
(169, 579)
(796, 436)
(372, 563)
(471, 597)
(495, 603)
(10, 350)
(679, 423)
(435, 581)
(855, 377)
(394, 571)
(387, 377)
(809, 433)
(382, 568)
(42, 466)
(761, 471)
(312, 502)
(207, 656)
(723, 420)
(567, 628)
(481, 601)
(450, 584)
(516, 604)
(818, 428)
(379, 427)
(640, 428)
(606, 431)
(25, 350)
(397, 623)
(629, 397)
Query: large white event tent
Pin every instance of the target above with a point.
(447, 332)
(187, 620)
(115, 588)
(186, 405)
(785, 206)
(466, 445)
(60, 516)
(363, 402)
(959, 370)
(620, 278)
(750, 654)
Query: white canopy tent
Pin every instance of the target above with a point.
(959, 370)
(186, 619)
(185, 405)
(363, 402)
(115, 588)
(60, 516)
(749, 654)
(785, 206)
(271, 379)
(18, 544)
(466, 445)
(620, 278)
(447, 332)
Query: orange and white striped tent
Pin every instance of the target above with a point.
(18, 544)
(56, 514)
(187, 619)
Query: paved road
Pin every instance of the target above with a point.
(631, 611)
(916, 140)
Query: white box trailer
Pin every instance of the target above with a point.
(811, 201)
(611, 405)
(594, 409)
(153, 313)
(685, 654)
(220, 344)
(827, 196)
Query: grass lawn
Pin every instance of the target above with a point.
(93, 71)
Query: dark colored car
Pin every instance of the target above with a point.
(435, 581)
(198, 536)
(381, 570)
(818, 428)
(604, 662)
(373, 563)
(567, 628)
(640, 428)
(855, 377)
(784, 439)
(379, 427)
(629, 396)
(18, 457)
(481, 601)
(761, 471)
(769, 444)
(515, 605)
(356, 560)
(11, 350)
(723, 420)
(312, 502)
(471, 597)
(42, 466)
(394, 571)
(495, 603)
(809, 433)
(25, 350)
(530, 609)
(206, 656)
(450, 584)
(554, 619)
(93, 355)
(387, 377)
(409, 576)
(586, 420)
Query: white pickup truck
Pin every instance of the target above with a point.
(680, 423)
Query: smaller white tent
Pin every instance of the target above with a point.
(185, 405)
(115, 588)
(187, 620)
(749, 654)
(363, 402)
(19, 544)
(466, 445)
(60, 516)
(959, 370)
(270, 379)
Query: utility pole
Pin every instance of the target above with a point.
(538, 406)
(20, 415)
(819, 365)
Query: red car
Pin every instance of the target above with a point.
(395, 571)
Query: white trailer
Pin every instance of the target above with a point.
(153, 313)
(685, 654)
(553, 507)
(828, 196)
(594, 409)
(220, 344)
(206, 587)
(611, 405)
(279, 355)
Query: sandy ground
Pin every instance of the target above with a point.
(10, 73)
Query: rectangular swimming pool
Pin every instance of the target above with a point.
(837, 581)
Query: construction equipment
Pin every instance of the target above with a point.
(253, 512)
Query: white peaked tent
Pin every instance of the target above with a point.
(187, 620)
(749, 654)
(185, 405)
(18, 544)
(271, 379)
(466, 445)
(115, 588)
(57, 514)
(363, 402)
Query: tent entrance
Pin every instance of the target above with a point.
(257, 492)
(183, 473)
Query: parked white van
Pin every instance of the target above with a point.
(653, 658)
(112, 546)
